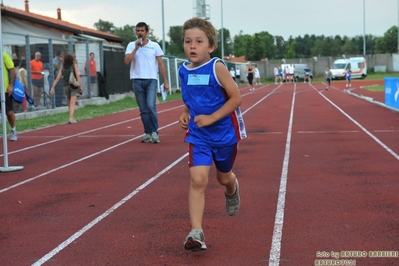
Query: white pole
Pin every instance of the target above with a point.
(364, 27)
(222, 40)
(6, 168)
(163, 28)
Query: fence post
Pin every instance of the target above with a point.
(51, 69)
(27, 56)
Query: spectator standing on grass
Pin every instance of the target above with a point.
(238, 76)
(291, 69)
(276, 75)
(8, 83)
(257, 76)
(213, 121)
(37, 68)
(58, 60)
(91, 69)
(250, 76)
(145, 59)
(70, 92)
(328, 76)
(233, 74)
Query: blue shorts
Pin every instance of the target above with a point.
(348, 78)
(204, 155)
(328, 80)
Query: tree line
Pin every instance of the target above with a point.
(263, 45)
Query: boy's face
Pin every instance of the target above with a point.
(196, 46)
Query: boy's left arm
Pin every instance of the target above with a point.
(232, 103)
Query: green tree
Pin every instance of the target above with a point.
(389, 42)
(291, 50)
(127, 33)
(280, 45)
(227, 44)
(257, 48)
(268, 46)
(242, 44)
(176, 45)
(349, 48)
(105, 26)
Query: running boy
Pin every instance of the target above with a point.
(213, 121)
(328, 75)
(348, 75)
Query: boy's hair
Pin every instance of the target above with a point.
(142, 24)
(204, 25)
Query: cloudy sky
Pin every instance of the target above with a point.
(278, 17)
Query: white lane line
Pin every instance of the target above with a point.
(274, 258)
(360, 126)
(79, 233)
(385, 131)
(328, 132)
(82, 133)
(71, 239)
(76, 161)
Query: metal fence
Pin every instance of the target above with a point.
(25, 46)
(109, 62)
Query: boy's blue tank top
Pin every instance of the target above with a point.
(203, 94)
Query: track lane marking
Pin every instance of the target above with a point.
(76, 161)
(395, 155)
(275, 250)
(79, 233)
(85, 132)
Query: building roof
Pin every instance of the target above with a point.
(56, 23)
(233, 59)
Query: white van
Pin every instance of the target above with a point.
(357, 65)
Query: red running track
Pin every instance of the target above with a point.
(318, 177)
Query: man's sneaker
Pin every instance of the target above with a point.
(195, 240)
(155, 138)
(13, 135)
(233, 202)
(147, 138)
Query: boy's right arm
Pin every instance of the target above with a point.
(184, 118)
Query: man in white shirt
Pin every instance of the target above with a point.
(238, 80)
(292, 73)
(233, 73)
(145, 58)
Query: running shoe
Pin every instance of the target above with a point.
(155, 138)
(195, 240)
(147, 138)
(13, 135)
(72, 121)
(233, 202)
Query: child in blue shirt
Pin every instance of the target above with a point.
(328, 76)
(213, 121)
(348, 75)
